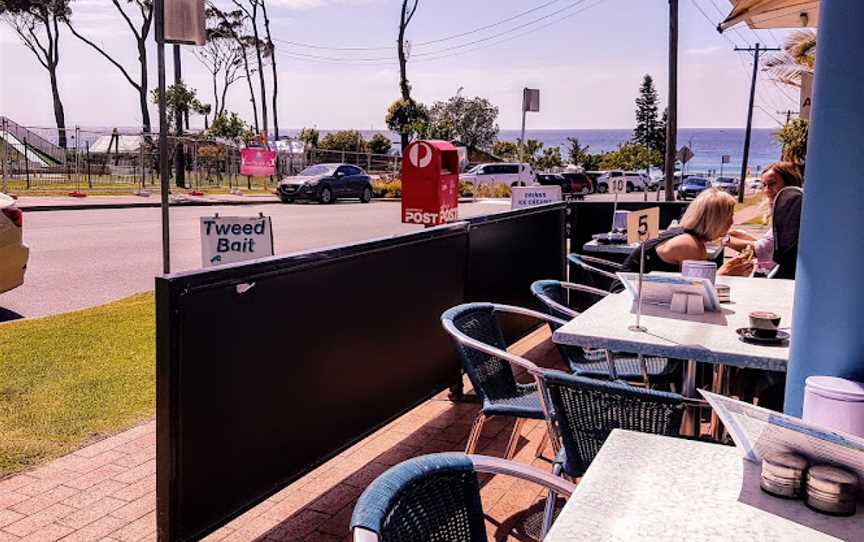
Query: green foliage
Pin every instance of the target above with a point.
(629, 156)
(466, 189)
(343, 140)
(182, 99)
(379, 144)
(470, 120)
(441, 129)
(531, 153)
(309, 136)
(793, 137)
(579, 155)
(407, 117)
(230, 126)
(387, 189)
(506, 149)
(649, 132)
(550, 159)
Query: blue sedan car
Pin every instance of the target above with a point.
(326, 183)
(692, 187)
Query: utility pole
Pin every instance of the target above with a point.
(672, 117)
(788, 114)
(756, 52)
(179, 155)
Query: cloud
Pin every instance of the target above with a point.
(706, 51)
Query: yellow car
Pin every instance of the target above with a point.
(13, 252)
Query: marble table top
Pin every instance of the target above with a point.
(647, 487)
(709, 337)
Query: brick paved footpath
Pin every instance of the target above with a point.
(107, 491)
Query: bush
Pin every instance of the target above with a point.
(493, 191)
(387, 189)
(466, 189)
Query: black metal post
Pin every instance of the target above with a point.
(159, 6)
(672, 117)
(179, 151)
(26, 164)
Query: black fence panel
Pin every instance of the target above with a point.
(509, 251)
(267, 369)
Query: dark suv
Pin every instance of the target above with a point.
(326, 183)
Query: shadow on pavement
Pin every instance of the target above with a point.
(7, 315)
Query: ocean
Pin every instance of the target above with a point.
(709, 145)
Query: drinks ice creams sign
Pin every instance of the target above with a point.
(231, 239)
(529, 196)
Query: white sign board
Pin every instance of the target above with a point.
(617, 185)
(231, 239)
(530, 196)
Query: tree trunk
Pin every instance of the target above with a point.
(251, 89)
(254, 19)
(142, 91)
(215, 95)
(59, 114)
(403, 72)
(273, 67)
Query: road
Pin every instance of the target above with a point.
(80, 259)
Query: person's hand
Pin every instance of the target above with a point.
(738, 234)
(739, 266)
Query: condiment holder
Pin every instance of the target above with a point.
(832, 490)
(783, 474)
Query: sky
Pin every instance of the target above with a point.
(587, 57)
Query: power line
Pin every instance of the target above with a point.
(429, 42)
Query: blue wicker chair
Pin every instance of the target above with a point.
(585, 411)
(596, 272)
(594, 363)
(483, 350)
(436, 497)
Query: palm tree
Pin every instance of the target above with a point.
(798, 57)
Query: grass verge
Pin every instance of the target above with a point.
(69, 379)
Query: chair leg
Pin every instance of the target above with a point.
(549, 510)
(514, 438)
(542, 446)
(474, 436)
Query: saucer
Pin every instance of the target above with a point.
(747, 335)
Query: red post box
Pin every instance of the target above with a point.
(430, 183)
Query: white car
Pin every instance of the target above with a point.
(13, 252)
(501, 173)
(635, 181)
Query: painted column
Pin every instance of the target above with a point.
(828, 331)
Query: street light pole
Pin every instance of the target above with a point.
(159, 6)
(179, 151)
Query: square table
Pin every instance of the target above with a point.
(710, 337)
(648, 487)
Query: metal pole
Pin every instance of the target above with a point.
(5, 144)
(522, 136)
(26, 164)
(159, 6)
(672, 117)
(179, 151)
(756, 50)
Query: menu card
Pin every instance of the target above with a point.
(758, 431)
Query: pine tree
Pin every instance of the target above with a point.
(650, 132)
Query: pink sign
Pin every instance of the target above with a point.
(257, 162)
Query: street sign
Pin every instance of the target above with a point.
(617, 185)
(685, 154)
(725, 159)
(643, 225)
(806, 102)
(530, 196)
(184, 22)
(531, 100)
(231, 239)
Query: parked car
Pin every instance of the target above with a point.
(327, 183)
(692, 187)
(594, 176)
(13, 252)
(727, 184)
(501, 173)
(635, 181)
(580, 183)
(756, 185)
(676, 181)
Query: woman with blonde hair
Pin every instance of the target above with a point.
(708, 218)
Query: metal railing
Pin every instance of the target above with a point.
(33, 140)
